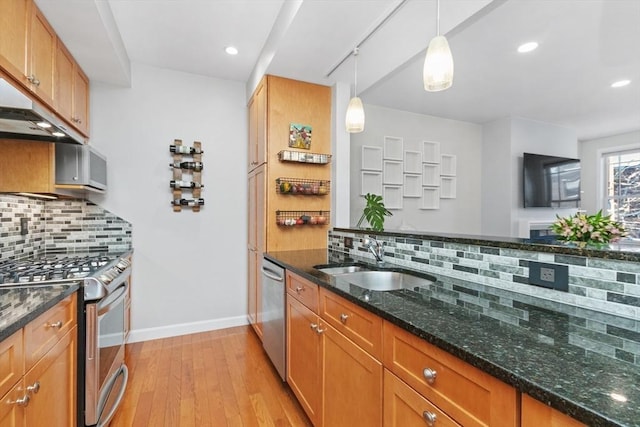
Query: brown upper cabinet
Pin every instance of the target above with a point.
(34, 57)
(258, 126)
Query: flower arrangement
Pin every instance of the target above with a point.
(588, 229)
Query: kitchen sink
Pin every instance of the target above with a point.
(385, 280)
(342, 269)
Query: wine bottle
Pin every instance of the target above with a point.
(183, 149)
(188, 202)
(195, 166)
(185, 184)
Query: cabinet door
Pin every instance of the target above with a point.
(14, 17)
(252, 145)
(52, 382)
(64, 81)
(80, 117)
(12, 414)
(404, 407)
(303, 358)
(261, 119)
(42, 49)
(252, 298)
(351, 383)
(535, 414)
(28, 167)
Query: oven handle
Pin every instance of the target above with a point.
(115, 300)
(123, 371)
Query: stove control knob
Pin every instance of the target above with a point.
(104, 278)
(123, 264)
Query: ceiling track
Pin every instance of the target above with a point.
(368, 35)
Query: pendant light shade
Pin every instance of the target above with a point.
(438, 64)
(354, 120)
(355, 116)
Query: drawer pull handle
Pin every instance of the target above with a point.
(314, 326)
(23, 401)
(429, 375)
(299, 289)
(319, 330)
(344, 317)
(56, 325)
(430, 418)
(34, 388)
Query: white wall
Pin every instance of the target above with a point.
(591, 153)
(505, 142)
(463, 139)
(189, 268)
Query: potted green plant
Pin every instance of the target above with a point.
(374, 212)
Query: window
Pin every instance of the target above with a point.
(622, 172)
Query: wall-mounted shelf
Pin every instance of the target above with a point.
(304, 187)
(299, 157)
(300, 218)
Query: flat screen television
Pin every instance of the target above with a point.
(551, 181)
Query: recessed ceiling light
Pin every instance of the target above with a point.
(43, 125)
(231, 50)
(527, 47)
(620, 83)
(58, 134)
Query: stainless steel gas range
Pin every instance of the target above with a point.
(102, 321)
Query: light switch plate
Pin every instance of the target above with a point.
(552, 276)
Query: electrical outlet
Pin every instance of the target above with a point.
(348, 242)
(24, 226)
(553, 276)
(547, 274)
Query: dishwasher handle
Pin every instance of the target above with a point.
(272, 274)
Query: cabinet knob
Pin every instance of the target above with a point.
(319, 330)
(33, 80)
(314, 326)
(34, 388)
(429, 375)
(23, 401)
(299, 289)
(56, 325)
(430, 418)
(344, 317)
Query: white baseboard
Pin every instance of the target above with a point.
(137, 335)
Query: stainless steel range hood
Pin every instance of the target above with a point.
(23, 118)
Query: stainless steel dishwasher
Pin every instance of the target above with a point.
(273, 312)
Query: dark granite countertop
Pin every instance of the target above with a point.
(623, 250)
(543, 348)
(19, 305)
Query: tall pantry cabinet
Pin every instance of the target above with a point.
(276, 104)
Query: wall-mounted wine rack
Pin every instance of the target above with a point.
(187, 163)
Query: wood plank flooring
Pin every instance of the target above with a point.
(213, 379)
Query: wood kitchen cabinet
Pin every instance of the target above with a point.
(33, 55)
(72, 90)
(15, 16)
(27, 167)
(535, 414)
(39, 365)
(276, 103)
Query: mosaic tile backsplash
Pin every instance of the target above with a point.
(602, 285)
(59, 226)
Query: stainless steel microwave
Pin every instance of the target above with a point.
(80, 165)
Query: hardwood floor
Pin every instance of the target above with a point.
(212, 379)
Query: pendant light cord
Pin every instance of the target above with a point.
(356, 50)
(438, 17)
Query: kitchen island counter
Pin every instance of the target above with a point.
(556, 353)
(20, 304)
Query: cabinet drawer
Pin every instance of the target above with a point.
(41, 334)
(403, 406)
(303, 290)
(11, 361)
(11, 413)
(359, 325)
(468, 395)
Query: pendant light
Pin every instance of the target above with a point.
(438, 64)
(355, 112)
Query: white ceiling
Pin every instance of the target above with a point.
(584, 46)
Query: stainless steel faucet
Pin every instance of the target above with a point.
(376, 248)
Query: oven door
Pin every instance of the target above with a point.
(106, 375)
